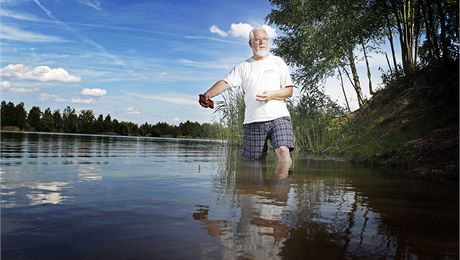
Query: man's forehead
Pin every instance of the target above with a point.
(260, 32)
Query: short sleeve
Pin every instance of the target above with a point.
(286, 79)
(235, 77)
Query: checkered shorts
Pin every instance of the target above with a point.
(279, 131)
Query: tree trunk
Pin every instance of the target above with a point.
(442, 22)
(433, 30)
(416, 31)
(371, 91)
(343, 89)
(428, 32)
(390, 38)
(356, 84)
(388, 62)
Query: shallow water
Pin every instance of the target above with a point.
(98, 197)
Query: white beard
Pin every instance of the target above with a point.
(261, 53)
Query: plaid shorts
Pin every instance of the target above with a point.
(255, 137)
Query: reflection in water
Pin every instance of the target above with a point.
(259, 232)
(94, 197)
(327, 209)
(47, 193)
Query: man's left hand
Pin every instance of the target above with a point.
(265, 96)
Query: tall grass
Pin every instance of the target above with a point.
(231, 113)
(316, 120)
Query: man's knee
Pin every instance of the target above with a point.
(283, 154)
(282, 150)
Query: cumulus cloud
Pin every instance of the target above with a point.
(82, 101)
(131, 111)
(39, 73)
(16, 34)
(6, 85)
(215, 29)
(46, 96)
(94, 92)
(241, 30)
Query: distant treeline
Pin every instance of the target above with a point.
(15, 117)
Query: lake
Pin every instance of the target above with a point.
(107, 197)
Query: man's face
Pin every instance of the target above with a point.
(260, 41)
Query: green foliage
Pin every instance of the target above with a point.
(409, 108)
(318, 36)
(15, 118)
(34, 119)
(316, 122)
(231, 111)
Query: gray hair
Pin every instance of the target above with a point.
(258, 28)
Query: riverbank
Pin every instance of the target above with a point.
(411, 124)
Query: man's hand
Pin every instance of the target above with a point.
(206, 102)
(280, 94)
(265, 96)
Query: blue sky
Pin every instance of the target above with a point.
(139, 61)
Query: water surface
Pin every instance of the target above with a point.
(99, 197)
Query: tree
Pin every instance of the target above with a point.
(144, 130)
(108, 127)
(99, 124)
(34, 119)
(48, 121)
(8, 114)
(70, 120)
(58, 122)
(320, 36)
(20, 116)
(86, 122)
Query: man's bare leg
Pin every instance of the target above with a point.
(283, 154)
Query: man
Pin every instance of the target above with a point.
(266, 83)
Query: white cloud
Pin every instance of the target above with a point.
(82, 101)
(215, 29)
(131, 111)
(92, 3)
(6, 85)
(15, 34)
(39, 73)
(46, 96)
(95, 92)
(18, 15)
(241, 30)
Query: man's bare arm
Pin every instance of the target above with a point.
(280, 94)
(216, 89)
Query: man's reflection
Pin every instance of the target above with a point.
(262, 193)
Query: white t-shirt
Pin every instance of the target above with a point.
(256, 76)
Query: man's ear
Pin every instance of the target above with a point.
(250, 44)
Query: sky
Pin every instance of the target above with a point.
(139, 61)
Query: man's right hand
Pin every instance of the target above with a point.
(206, 102)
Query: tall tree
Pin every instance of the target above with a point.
(86, 122)
(70, 120)
(58, 123)
(320, 36)
(34, 119)
(20, 116)
(47, 121)
(108, 127)
(8, 114)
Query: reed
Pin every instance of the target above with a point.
(231, 114)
